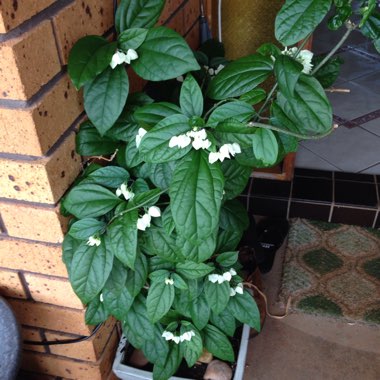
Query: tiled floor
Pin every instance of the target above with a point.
(355, 146)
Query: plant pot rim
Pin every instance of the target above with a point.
(126, 372)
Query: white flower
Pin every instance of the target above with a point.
(232, 292)
(101, 297)
(180, 78)
(213, 157)
(143, 222)
(123, 189)
(154, 211)
(213, 278)
(167, 335)
(211, 71)
(239, 288)
(176, 339)
(201, 144)
(219, 68)
(224, 152)
(187, 336)
(131, 56)
(118, 58)
(141, 133)
(93, 240)
(169, 281)
(233, 272)
(181, 141)
(304, 57)
(227, 276)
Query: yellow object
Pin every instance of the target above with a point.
(247, 24)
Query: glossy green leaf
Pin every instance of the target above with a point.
(84, 228)
(200, 312)
(136, 278)
(240, 76)
(265, 146)
(146, 198)
(90, 269)
(88, 58)
(69, 246)
(192, 270)
(123, 236)
(233, 216)
(244, 309)
(237, 110)
(161, 174)
(137, 14)
(151, 114)
(217, 295)
(132, 38)
(90, 143)
(109, 176)
(218, 344)
(228, 240)
(160, 299)
(95, 312)
(227, 259)
(179, 282)
(192, 350)
(298, 18)
(236, 178)
(90, 201)
(173, 361)
(191, 98)
(224, 321)
(197, 252)
(196, 193)
(254, 96)
(287, 71)
(105, 97)
(167, 221)
(371, 28)
(157, 349)
(329, 72)
(164, 55)
(132, 155)
(154, 146)
(235, 132)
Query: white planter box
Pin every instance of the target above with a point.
(126, 372)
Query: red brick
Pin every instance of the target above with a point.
(50, 317)
(91, 17)
(44, 180)
(10, 284)
(32, 334)
(33, 222)
(52, 290)
(170, 7)
(13, 13)
(28, 62)
(34, 130)
(32, 257)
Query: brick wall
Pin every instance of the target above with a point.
(39, 114)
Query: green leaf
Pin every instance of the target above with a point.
(367, 11)
(287, 71)
(136, 278)
(90, 269)
(235, 132)
(132, 337)
(90, 143)
(167, 221)
(218, 344)
(145, 199)
(179, 282)
(105, 97)
(161, 174)
(141, 188)
(117, 298)
(157, 349)
(88, 58)
(298, 18)
(69, 246)
(240, 76)
(196, 192)
(84, 228)
(191, 98)
(95, 312)
(109, 176)
(224, 321)
(86, 200)
(228, 240)
(233, 216)
(236, 178)
(132, 38)
(151, 114)
(237, 110)
(173, 361)
(197, 252)
(160, 299)
(192, 270)
(164, 55)
(244, 309)
(329, 72)
(137, 319)
(371, 28)
(265, 146)
(126, 127)
(200, 312)
(137, 14)
(123, 237)
(154, 145)
(192, 349)
(254, 96)
(132, 155)
(217, 295)
(227, 259)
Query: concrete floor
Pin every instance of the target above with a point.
(306, 347)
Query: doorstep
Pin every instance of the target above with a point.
(333, 197)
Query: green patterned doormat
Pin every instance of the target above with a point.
(333, 269)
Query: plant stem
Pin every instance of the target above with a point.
(350, 27)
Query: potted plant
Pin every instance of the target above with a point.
(154, 234)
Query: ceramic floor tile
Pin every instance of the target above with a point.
(372, 170)
(351, 150)
(307, 159)
(358, 102)
(356, 65)
(373, 127)
(371, 82)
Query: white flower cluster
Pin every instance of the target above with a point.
(93, 240)
(220, 278)
(238, 289)
(212, 72)
(123, 189)
(169, 281)
(120, 57)
(304, 57)
(197, 138)
(224, 152)
(140, 134)
(177, 339)
(144, 221)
